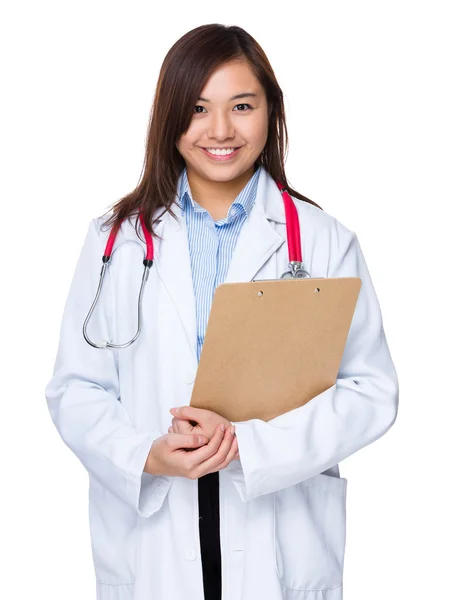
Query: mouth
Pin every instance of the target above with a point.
(221, 157)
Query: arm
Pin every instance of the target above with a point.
(356, 411)
(83, 394)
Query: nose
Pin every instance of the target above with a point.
(220, 126)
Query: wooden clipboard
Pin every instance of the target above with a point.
(272, 345)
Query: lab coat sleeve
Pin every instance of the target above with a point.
(358, 409)
(83, 395)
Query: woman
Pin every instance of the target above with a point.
(180, 508)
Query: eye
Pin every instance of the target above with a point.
(203, 108)
(243, 105)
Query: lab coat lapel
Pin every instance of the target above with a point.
(173, 266)
(258, 239)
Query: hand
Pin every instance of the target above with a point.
(189, 420)
(168, 455)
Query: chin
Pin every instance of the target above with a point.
(221, 172)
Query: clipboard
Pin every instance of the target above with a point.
(272, 345)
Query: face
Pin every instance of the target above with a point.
(221, 119)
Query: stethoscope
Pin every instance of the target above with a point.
(296, 269)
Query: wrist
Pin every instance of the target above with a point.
(150, 463)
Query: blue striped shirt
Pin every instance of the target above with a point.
(211, 244)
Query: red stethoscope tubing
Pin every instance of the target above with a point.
(293, 226)
(291, 219)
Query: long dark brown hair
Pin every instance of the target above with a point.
(185, 70)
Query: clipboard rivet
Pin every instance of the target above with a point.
(317, 290)
(259, 293)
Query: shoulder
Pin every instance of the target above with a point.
(322, 226)
(97, 228)
(103, 229)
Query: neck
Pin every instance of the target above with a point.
(217, 196)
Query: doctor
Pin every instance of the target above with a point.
(254, 514)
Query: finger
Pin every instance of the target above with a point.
(183, 427)
(202, 454)
(206, 428)
(231, 455)
(170, 430)
(212, 463)
(189, 413)
(215, 463)
(177, 441)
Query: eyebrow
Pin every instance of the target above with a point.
(244, 95)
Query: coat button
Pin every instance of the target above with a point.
(189, 554)
(190, 377)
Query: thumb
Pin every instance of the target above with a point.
(188, 413)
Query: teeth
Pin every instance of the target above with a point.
(222, 152)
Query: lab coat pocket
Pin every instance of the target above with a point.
(114, 537)
(310, 535)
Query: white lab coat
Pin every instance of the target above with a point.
(283, 506)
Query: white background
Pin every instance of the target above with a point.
(369, 94)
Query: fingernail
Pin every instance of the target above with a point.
(232, 429)
(200, 438)
(222, 426)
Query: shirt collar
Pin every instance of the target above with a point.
(245, 198)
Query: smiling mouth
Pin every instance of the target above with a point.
(221, 157)
(226, 148)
